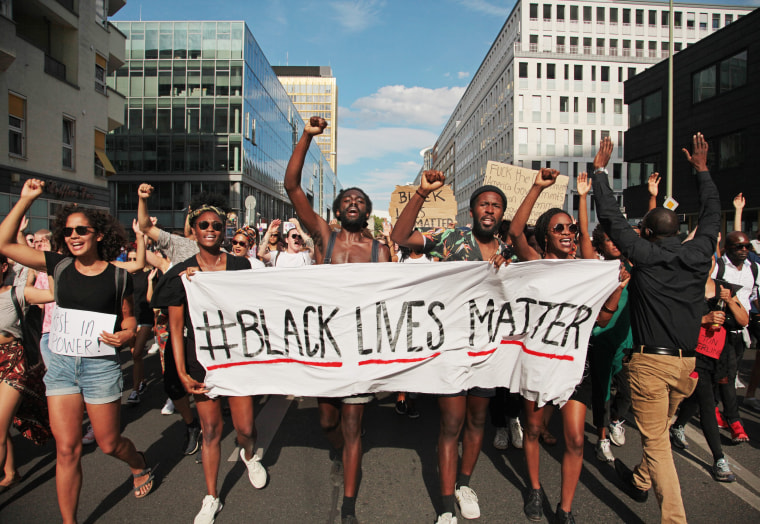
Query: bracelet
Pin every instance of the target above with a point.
(601, 170)
(608, 310)
(424, 197)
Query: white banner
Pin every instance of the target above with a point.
(75, 333)
(344, 329)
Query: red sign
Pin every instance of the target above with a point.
(711, 342)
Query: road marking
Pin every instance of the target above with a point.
(696, 437)
(268, 421)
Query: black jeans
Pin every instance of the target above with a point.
(703, 400)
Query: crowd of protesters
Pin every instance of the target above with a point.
(683, 296)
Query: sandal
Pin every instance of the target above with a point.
(137, 490)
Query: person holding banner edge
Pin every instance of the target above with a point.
(207, 221)
(340, 418)
(468, 408)
(667, 297)
(88, 239)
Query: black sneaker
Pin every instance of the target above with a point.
(534, 505)
(626, 477)
(562, 517)
(192, 439)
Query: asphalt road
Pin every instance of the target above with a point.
(399, 482)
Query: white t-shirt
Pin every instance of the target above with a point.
(742, 276)
(285, 259)
(409, 260)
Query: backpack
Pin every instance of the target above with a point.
(30, 320)
(721, 264)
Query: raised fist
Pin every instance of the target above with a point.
(431, 180)
(144, 190)
(32, 188)
(315, 126)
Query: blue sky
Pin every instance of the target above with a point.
(401, 66)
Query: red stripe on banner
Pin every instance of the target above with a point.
(277, 361)
(480, 353)
(398, 360)
(536, 353)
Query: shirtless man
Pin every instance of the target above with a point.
(340, 419)
(467, 408)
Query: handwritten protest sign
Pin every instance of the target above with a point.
(517, 181)
(711, 342)
(74, 332)
(429, 328)
(439, 209)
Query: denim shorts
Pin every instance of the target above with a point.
(97, 379)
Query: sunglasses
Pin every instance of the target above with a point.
(571, 228)
(739, 246)
(204, 224)
(81, 231)
(295, 237)
(241, 243)
(131, 259)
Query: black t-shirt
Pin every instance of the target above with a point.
(89, 293)
(143, 311)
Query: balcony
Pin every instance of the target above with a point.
(116, 48)
(55, 68)
(7, 43)
(116, 103)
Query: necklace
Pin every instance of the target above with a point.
(211, 268)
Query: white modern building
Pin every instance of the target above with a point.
(55, 56)
(551, 87)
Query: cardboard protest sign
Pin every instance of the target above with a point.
(75, 333)
(439, 210)
(517, 181)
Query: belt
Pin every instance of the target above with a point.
(657, 350)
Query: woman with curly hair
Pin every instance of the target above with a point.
(88, 240)
(207, 221)
(243, 241)
(555, 235)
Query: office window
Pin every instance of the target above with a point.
(631, 72)
(533, 43)
(729, 19)
(590, 169)
(573, 45)
(561, 13)
(613, 15)
(605, 73)
(575, 104)
(535, 103)
(564, 104)
(733, 72)
(618, 106)
(664, 18)
(639, 17)
(652, 106)
(533, 11)
(522, 136)
(677, 19)
(689, 20)
(547, 12)
(520, 102)
(634, 113)
(573, 13)
(591, 105)
(652, 18)
(703, 21)
(586, 46)
(567, 71)
(716, 21)
(600, 14)
(587, 13)
(551, 71)
(560, 44)
(577, 72)
(547, 44)
(551, 136)
(523, 69)
(538, 70)
(704, 84)
(593, 73)
(677, 46)
(68, 143)
(731, 151)
(538, 136)
(100, 74)
(101, 12)
(620, 74)
(16, 125)
(577, 137)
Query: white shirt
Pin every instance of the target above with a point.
(285, 259)
(741, 276)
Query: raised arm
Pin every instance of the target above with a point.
(403, 233)
(263, 251)
(709, 215)
(583, 185)
(20, 252)
(139, 263)
(143, 218)
(739, 208)
(545, 178)
(653, 185)
(316, 225)
(308, 243)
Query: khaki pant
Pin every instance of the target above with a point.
(658, 384)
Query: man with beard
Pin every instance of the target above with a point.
(487, 206)
(340, 418)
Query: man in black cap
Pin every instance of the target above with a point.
(487, 206)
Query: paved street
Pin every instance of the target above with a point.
(399, 483)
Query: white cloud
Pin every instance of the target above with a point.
(403, 105)
(360, 144)
(463, 74)
(356, 15)
(488, 8)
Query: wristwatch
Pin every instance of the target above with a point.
(601, 170)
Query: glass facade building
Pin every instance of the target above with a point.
(205, 112)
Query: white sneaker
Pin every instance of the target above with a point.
(516, 432)
(168, 408)
(604, 451)
(501, 439)
(446, 518)
(468, 502)
(257, 474)
(210, 508)
(89, 436)
(154, 349)
(617, 432)
(738, 384)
